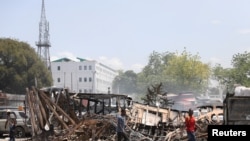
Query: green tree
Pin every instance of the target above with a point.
(240, 71)
(156, 97)
(125, 82)
(187, 73)
(224, 77)
(238, 74)
(20, 67)
(152, 73)
(177, 72)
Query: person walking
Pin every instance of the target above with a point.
(121, 125)
(11, 122)
(190, 125)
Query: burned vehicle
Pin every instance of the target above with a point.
(237, 107)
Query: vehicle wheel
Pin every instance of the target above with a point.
(19, 132)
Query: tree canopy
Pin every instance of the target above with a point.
(238, 74)
(125, 82)
(187, 73)
(175, 72)
(20, 67)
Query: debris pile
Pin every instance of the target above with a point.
(50, 121)
(54, 119)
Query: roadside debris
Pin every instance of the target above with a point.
(55, 119)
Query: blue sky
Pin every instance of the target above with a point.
(123, 33)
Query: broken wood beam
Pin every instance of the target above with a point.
(32, 115)
(58, 108)
(54, 111)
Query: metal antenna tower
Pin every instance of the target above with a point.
(43, 43)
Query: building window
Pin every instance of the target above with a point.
(85, 79)
(85, 67)
(90, 67)
(58, 80)
(85, 91)
(80, 79)
(80, 67)
(80, 90)
(90, 79)
(58, 68)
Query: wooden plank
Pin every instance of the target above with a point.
(32, 116)
(58, 108)
(54, 112)
(38, 114)
(41, 108)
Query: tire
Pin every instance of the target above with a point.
(19, 132)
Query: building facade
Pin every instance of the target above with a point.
(82, 76)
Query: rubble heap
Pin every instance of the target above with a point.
(56, 120)
(50, 121)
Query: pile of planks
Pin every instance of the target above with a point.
(55, 120)
(41, 109)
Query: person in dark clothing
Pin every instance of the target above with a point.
(11, 122)
(121, 124)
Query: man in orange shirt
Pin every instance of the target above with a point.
(190, 125)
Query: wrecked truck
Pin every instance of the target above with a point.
(236, 107)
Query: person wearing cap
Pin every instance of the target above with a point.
(11, 122)
(121, 124)
(190, 125)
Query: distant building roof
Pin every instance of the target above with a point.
(81, 59)
(64, 60)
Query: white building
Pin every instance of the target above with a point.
(82, 75)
